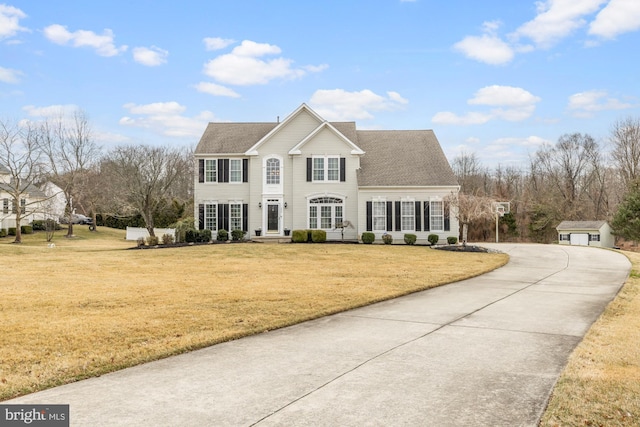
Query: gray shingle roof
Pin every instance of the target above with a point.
(232, 138)
(402, 157)
(580, 225)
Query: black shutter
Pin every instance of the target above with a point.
(225, 216)
(309, 169)
(220, 171)
(418, 216)
(200, 217)
(220, 217)
(245, 170)
(389, 216)
(427, 218)
(369, 216)
(343, 169)
(200, 170)
(225, 172)
(245, 217)
(398, 217)
(447, 222)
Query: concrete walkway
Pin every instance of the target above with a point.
(481, 352)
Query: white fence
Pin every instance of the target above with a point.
(134, 233)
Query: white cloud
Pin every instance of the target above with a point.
(617, 17)
(8, 75)
(244, 66)
(51, 111)
(340, 105)
(557, 19)
(216, 90)
(166, 118)
(150, 57)
(487, 48)
(508, 102)
(585, 104)
(103, 44)
(10, 21)
(216, 43)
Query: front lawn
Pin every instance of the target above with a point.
(89, 305)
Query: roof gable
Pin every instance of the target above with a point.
(580, 225)
(297, 150)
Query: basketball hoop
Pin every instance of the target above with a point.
(501, 208)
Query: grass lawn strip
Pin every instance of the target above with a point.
(88, 306)
(600, 385)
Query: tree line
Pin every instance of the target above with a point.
(125, 181)
(577, 179)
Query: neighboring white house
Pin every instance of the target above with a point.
(308, 173)
(31, 205)
(585, 233)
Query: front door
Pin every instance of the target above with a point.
(273, 218)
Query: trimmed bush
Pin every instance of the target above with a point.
(223, 235)
(410, 239)
(237, 235)
(3, 232)
(140, 241)
(452, 240)
(368, 237)
(387, 239)
(167, 239)
(433, 239)
(26, 229)
(152, 241)
(309, 237)
(204, 236)
(318, 236)
(299, 236)
(12, 231)
(190, 235)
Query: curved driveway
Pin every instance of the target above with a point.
(484, 351)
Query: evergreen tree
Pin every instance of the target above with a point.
(626, 221)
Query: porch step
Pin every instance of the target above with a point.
(271, 239)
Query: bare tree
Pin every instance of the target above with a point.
(472, 176)
(70, 149)
(144, 176)
(625, 138)
(20, 170)
(468, 208)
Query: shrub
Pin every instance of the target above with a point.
(410, 239)
(387, 239)
(12, 231)
(452, 240)
(167, 239)
(190, 235)
(368, 237)
(299, 236)
(204, 236)
(3, 232)
(140, 241)
(237, 235)
(26, 229)
(433, 239)
(38, 225)
(152, 241)
(309, 237)
(318, 236)
(223, 235)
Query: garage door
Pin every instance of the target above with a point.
(580, 239)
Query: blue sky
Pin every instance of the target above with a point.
(495, 77)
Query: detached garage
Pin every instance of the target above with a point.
(585, 233)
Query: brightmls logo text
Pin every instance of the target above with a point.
(34, 415)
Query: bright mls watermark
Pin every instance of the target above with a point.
(34, 415)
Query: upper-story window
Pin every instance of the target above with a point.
(235, 170)
(273, 171)
(210, 170)
(326, 168)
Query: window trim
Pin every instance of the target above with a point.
(239, 171)
(433, 216)
(318, 208)
(207, 171)
(207, 206)
(380, 202)
(325, 168)
(239, 218)
(409, 202)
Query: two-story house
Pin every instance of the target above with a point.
(307, 173)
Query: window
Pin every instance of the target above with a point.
(210, 170)
(379, 215)
(325, 212)
(23, 206)
(210, 219)
(594, 237)
(273, 171)
(407, 212)
(235, 216)
(437, 215)
(235, 170)
(5, 206)
(564, 237)
(326, 168)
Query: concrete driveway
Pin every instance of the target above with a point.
(481, 352)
